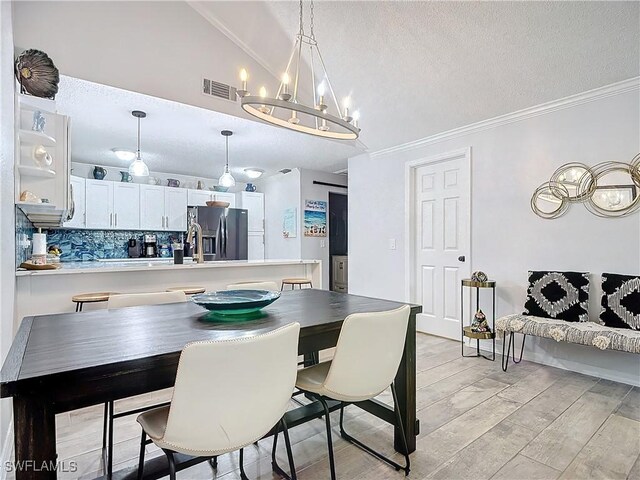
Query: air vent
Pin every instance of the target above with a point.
(285, 170)
(219, 90)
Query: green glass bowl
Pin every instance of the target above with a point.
(236, 302)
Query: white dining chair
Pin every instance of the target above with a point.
(365, 363)
(122, 301)
(273, 286)
(225, 408)
(139, 299)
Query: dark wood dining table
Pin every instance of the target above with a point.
(67, 361)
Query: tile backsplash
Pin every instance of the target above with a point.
(84, 245)
(24, 232)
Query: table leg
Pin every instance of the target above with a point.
(35, 439)
(406, 390)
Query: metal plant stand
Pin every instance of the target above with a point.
(466, 330)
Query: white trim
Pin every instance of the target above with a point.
(7, 450)
(409, 225)
(231, 36)
(519, 115)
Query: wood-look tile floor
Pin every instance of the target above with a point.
(477, 422)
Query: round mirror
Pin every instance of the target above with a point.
(577, 180)
(615, 193)
(550, 200)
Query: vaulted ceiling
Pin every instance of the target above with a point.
(414, 69)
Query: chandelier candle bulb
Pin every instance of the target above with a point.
(284, 94)
(323, 126)
(294, 118)
(263, 93)
(243, 78)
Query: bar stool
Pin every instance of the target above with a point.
(253, 286)
(83, 298)
(187, 290)
(296, 281)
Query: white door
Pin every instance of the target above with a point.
(126, 206)
(441, 215)
(175, 209)
(98, 204)
(226, 197)
(255, 247)
(152, 207)
(198, 198)
(253, 202)
(78, 195)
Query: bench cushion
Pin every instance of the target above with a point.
(583, 333)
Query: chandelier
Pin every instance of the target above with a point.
(286, 109)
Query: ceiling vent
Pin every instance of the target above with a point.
(212, 88)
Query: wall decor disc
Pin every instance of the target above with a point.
(635, 169)
(37, 74)
(550, 200)
(615, 194)
(577, 179)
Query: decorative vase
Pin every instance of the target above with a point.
(125, 177)
(172, 182)
(250, 187)
(99, 173)
(479, 276)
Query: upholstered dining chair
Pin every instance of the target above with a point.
(273, 286)
(220, 410)
(365, 362)
(122, 301)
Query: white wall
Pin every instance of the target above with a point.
(508, 162)
(157, 48)
(318, 247)
(7, 214)
(281, 191)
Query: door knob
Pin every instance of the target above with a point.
(461, 258)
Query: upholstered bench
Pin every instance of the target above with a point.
(583, 333)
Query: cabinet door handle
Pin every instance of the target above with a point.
(116, 220)
(111, 219)
(163, 221)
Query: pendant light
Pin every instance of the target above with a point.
(226, 179)
(138, 168)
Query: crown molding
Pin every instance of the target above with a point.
(231, 36)
(599, 93)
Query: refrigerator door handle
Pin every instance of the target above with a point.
(219, 234)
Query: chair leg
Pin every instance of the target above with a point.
(274, 463)
(243, 476)
(172, 464)
(327, 417)
(110, 442)
(143, 444)
(370, 450)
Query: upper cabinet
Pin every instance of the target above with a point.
(253, 202)
(77, 210)
(225, 197)
(198, 198)
(42, 165)
(126, 206)
(175, 209)
(152, 207)
(99, 204)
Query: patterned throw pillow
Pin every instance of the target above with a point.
(558, 295)
(620, 301)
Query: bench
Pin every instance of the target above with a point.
(583, 333)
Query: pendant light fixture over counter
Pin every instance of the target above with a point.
(286, 109)
(138, 168)
(226, 179)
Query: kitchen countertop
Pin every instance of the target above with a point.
(127, 265)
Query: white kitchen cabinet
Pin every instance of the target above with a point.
(225, 197)
(255, 247)
(98, 203)
(78, 199)
(152, 215)
(126, 206)
(175, 209)
(253, 202)
(198, 198)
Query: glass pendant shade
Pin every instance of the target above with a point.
(226, 179)
(138, 168)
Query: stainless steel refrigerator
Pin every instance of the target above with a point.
(224, 232)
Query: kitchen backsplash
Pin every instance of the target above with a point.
(24, 232)
(84, 245)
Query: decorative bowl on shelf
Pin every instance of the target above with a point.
(217, 203)
(218, 188)
(235, 302)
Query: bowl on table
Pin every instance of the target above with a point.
(218, 188)
(236, 302)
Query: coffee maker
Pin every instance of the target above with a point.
(134, 248)
(150, 245)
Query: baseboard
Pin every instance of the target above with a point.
(7, 451)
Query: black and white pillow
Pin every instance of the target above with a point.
(559, 295)
(620, 301)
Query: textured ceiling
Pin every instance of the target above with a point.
(415, 69)
(178, 138)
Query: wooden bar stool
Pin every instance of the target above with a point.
(83, 298)
(296, 281)
(187, 290)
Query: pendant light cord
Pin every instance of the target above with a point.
(138, 152)
(227, 154)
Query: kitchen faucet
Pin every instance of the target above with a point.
(193, 225)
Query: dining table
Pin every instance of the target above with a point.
(66, 361)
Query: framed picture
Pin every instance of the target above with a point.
(315, 218)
